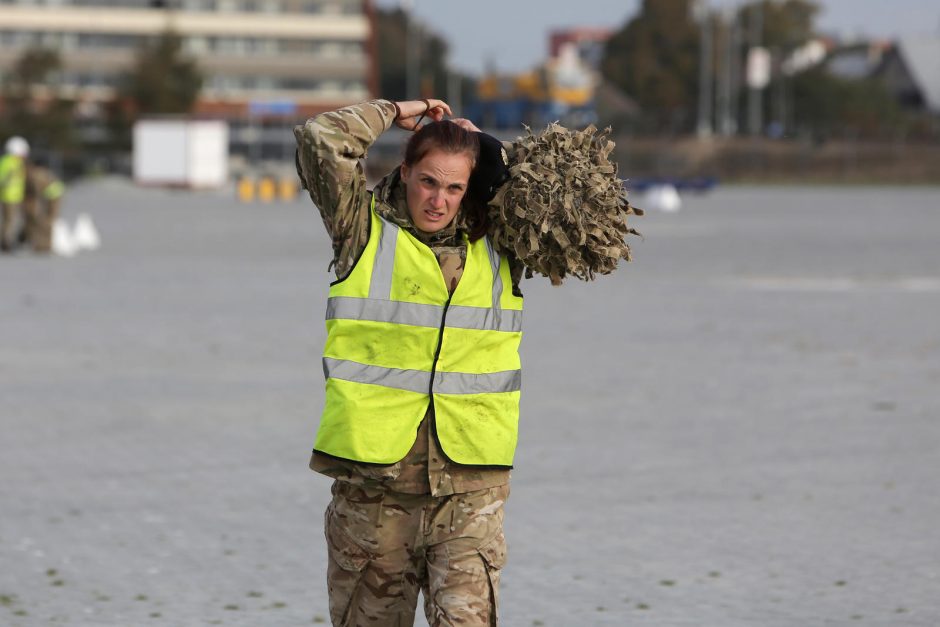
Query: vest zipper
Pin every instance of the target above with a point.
(437, 352)
(437, 355)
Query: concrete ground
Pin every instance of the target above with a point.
(742, 427)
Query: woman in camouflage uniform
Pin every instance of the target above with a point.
(41, 203)
(425, 521)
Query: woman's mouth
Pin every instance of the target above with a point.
(432, 215)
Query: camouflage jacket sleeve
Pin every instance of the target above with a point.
(329, 147)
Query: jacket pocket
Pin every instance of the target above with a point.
(494, 558)
(494, 552)
(347, 563)
(341, 547)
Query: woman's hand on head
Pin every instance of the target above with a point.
(466, 125)
(411, 111)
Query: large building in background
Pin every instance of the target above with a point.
(292, 57)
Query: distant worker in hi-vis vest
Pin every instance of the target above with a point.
(422, 366)
(12, 193)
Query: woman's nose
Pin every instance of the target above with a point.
(437, 200)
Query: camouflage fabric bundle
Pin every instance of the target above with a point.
(563, 210)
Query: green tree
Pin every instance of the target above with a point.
(33, 107)
(785, 24)
(390, 27)
(654, 59)
(826, 105)
(163, 79)
(392, 34)
(822, 104)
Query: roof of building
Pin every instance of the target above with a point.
(853, 64)
(921, 55)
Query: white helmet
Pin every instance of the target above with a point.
(17, 146)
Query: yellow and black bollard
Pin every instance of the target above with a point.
(246, 189)
(266, 189)
(287, 189)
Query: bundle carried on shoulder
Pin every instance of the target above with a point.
(563, 211)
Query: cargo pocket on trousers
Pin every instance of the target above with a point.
(346, 563)
(494, 557)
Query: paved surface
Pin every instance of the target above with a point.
(740, 428)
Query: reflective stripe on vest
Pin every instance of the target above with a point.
(419, 381)
(397, 339)
(421, 315)
(12, 179)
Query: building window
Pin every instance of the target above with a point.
(207, 6)
(102, 40)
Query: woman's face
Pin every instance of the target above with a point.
(435, 186)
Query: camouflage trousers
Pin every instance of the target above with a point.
(385, 546)
(12, 232)
(40, 218)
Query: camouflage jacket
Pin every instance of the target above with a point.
(329, 149)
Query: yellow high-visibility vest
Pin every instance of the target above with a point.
(397, 340)
(12, 179)
(54, 190)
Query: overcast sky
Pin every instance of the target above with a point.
(513, 34)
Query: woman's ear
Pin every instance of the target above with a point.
(404, 172)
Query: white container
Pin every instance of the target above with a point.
(181, 153)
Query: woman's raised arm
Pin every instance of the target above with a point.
(329, 149)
